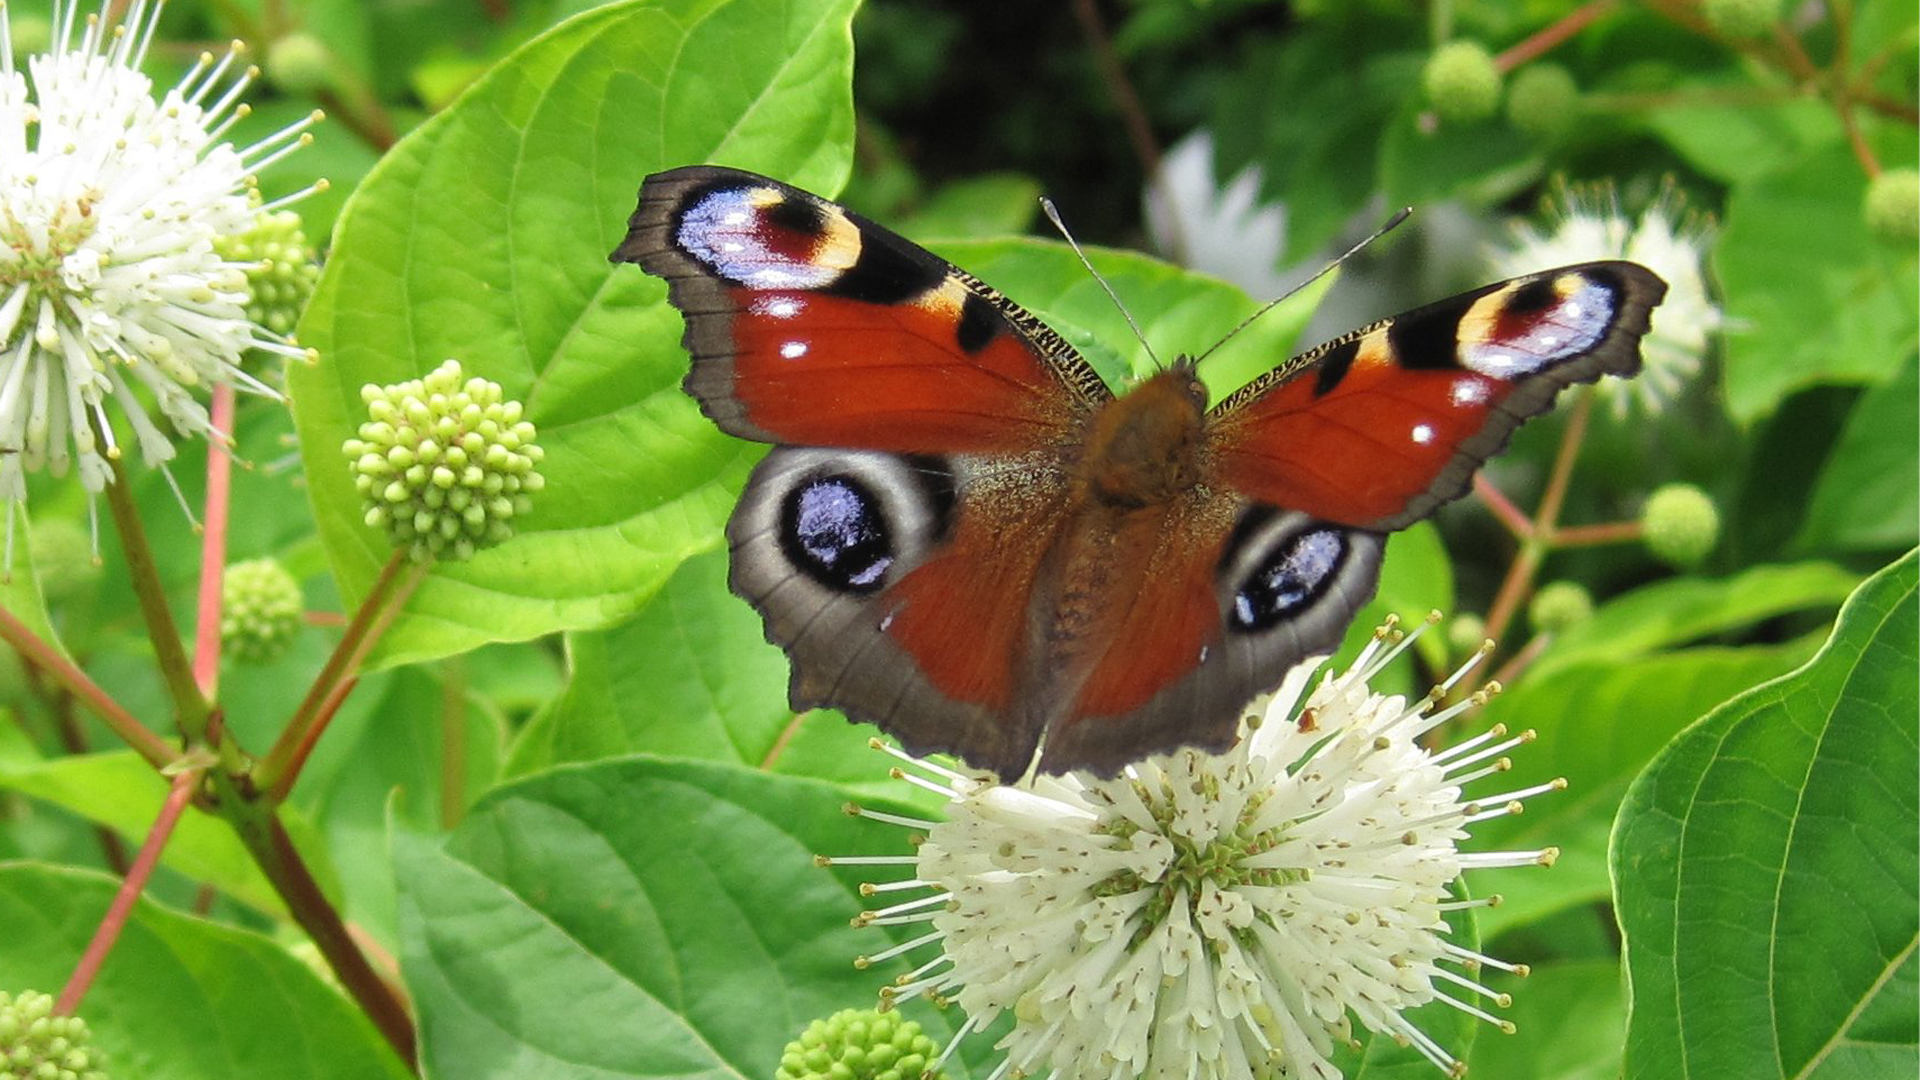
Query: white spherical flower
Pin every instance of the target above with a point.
(1211, 915)
(1666, 240)
(110, 286)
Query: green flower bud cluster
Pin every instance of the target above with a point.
(37, 1045)
(1559, 605)
(1544, 100)
(444, 464)
(859, 1044)
(1680, 525)
(1466, 633)
(282, 268)
(260, 609)
(63, 558)
(300, 63)
(1462, 81)
(1740, 18)
(1893, 206)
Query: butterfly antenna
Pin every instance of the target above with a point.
(1392, 223)
(1053, 215)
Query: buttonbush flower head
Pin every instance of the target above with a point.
(260, 610)
(37, 1045)
(281, 268)
(1680, 525)
(1210, 915)
(1666, 239)
(444, 463)
(110, 286)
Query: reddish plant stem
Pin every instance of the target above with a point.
(277, 783)
(288, 749)
(1612, 532)
(1842, 102)
(130, 888)
(1550, 37)
(48, 659)
(213, 549)
(1133, 114)
(267, 840)
(1503, 508)
(1533, 549)
(1523, 659)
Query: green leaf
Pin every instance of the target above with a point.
(995, 204)
(638, 918)
(1838, 308)
(1570, 1017)
(182, 998)
(691, 675)
(120, 791)
(1684, 610)
(1599, 721)
(1868, 494)
(1736, 143)
(1765, 867)
(484, 236)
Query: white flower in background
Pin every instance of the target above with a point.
(110, 287)
(1210, 915)
(1591, 226)
(1226, 230)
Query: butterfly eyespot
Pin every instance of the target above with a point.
(835, 533)
(1291, 575)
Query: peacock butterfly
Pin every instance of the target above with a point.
(962, 535)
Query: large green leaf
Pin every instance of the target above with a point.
(1599, 722)
(637, 918)
(484, 236)
(1839, 308)
(1868, 494)
(1684, 610)
(1570, 1018)
(181, 998)
(1765, 867)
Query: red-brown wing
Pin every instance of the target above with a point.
(1377, 428)
(809, 325)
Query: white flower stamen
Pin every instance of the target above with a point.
(1211, 914)
(110, 201)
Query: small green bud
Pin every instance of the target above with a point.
(1893, 206)
(1462, 82)
(1680, 525)
(37, 1045)
(63, 558)
(260, 610)
(1544, 100)
(450, 479)
(300, 63)
(282, 268)
(1466, 633)
(858, 1044)
(1559, 605)
(1740, 18)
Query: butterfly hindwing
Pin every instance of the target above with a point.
(1379, 427)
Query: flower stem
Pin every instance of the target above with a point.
(260, 829)
(1510, 515)
(46, 658)
(213, 549)
(190, 706)
(1613, 532)
(1549, 37)
(1534, 547)
(277, 771)
(130, 888)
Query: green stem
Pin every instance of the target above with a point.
(453, 741)
(277, 769)
(190, 706)
(48, 659)
(266, 839)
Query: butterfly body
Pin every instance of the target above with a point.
(964, 536)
